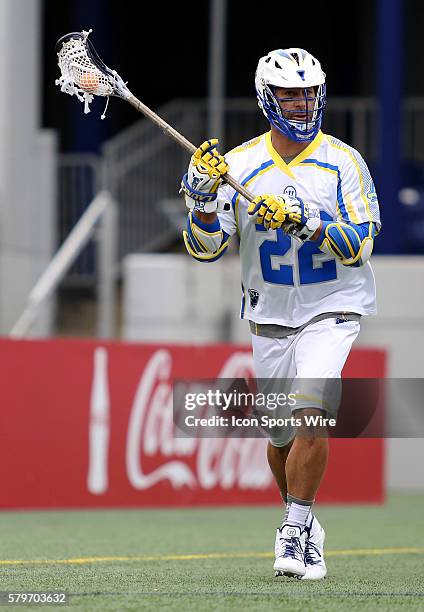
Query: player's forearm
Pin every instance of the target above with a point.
(206, 217)
(317, 234)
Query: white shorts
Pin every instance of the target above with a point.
(315, 354)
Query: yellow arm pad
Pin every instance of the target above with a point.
(351, 244)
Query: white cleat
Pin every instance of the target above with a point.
(314, 552)
(290, 551)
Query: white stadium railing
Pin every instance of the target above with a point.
(102, 214)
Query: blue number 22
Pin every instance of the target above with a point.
(284, 274)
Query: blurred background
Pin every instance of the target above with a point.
(196, 69)
(125, 275)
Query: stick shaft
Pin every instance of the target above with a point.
(173, 133)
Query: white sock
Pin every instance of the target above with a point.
(298, 514)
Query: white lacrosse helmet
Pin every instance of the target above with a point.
(291, 68)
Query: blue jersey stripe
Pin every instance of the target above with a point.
(320, 164)
(266, 164)
(340, 200)
(243, 302)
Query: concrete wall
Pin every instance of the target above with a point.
(176, 299)
(27, 164)
(171, 298)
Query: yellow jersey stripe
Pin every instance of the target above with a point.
(358, 169)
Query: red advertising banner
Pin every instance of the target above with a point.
(89, 424)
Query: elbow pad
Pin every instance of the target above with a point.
(205, 242)
(351, 244)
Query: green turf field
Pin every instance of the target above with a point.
(214, 559)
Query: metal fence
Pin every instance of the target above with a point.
(100, 218)
(79, 180)
(142, 167)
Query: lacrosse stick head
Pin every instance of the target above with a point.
(83, 73)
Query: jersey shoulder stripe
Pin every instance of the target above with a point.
(366, 184)
(345, 209)
(264, 167)
(249, 144)
(319, 164)
(351, 155)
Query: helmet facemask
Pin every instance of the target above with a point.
(295, 128)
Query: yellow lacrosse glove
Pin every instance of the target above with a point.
(203, 178)
(271, 210)
(207, 160)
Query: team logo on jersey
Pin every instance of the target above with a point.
(290, 191)
(371, 195)
(254, 298)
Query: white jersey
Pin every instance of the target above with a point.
(284, 282)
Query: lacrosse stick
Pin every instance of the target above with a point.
(85, 75)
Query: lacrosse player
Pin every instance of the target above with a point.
(305, 245)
